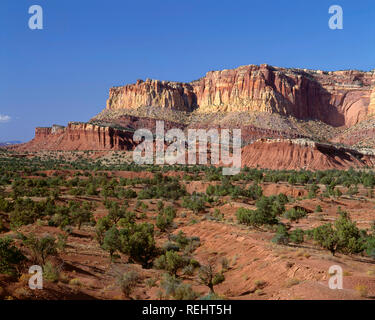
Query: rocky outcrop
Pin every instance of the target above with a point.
(371, 108)
(336, 98)
(42, 132)
(250, 98)
(300, 154)
(164, 94)
(79, 136)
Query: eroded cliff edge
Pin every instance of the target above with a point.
(339, 98)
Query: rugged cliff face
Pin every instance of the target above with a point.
(79, 136)
(163, 94)
(371, 108)
(336, 98)
(251, 98)
(300, 154)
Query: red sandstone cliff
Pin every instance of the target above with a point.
(296, 155)
(336, 98)
(164, 94)
(79, 136)
(341, 98)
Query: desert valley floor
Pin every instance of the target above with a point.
(105, 229)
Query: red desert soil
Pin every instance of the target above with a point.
(258, 269)
(287, 272)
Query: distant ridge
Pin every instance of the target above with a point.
(9, 143)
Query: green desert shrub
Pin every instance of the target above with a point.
(176, 289)
(281, 236)
(41, 248)
(295, 214)
(10, 257)
(127, 282)
(297, 236)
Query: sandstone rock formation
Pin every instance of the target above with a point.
(262, 101)
(371, 108)
(340, 98)
(164, 94)
(297, 154)
(79, 136)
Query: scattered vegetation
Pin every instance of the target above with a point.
(136, 220)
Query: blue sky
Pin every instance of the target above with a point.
(63, 72)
